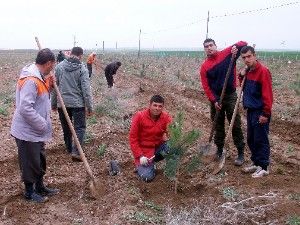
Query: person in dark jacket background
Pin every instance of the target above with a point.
(212, 74)
(258, 100)
(110, 70)
(60, 57)
(73, 82)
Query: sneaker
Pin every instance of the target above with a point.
(250, 169)
(76, 158)
(35, 198)
(260, 173)
(45, 191)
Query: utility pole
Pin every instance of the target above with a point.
(139, 44)
(74, 44)
(207, 24)
(103, 46)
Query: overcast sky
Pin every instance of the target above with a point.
(164, 23)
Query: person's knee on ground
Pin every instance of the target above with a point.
(146, 173)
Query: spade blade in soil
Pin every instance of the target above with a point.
(207, 149)
(219, 166)
(97, 189)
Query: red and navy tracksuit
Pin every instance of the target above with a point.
(258, 99)
(212, 74)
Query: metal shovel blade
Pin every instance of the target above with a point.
(207, 150)
(219, 166)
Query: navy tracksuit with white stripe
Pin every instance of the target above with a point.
(258, 99)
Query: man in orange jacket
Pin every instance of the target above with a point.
(148, 137)
(90, 61)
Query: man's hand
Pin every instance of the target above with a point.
(165, 137)
(51, 79)
(218, 106)
(262, 119)
(234, 50)
(243, 71)
(144, 161)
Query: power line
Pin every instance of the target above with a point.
(220, 16)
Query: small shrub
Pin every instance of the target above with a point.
(229, 193)
(88, 137)
(152, 205)
(293, 220)
(179, 142)
(109, 107)
(92, 120)
(294, 197)
(3, 111)
(142, 217)
(101, 150)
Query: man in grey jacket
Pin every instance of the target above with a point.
(73, 82)
(31, 125)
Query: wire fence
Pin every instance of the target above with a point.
(264, 55)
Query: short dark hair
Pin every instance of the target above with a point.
(157, 99)
(209, 40)
(247, 48)
(44, 55)
(77, 51)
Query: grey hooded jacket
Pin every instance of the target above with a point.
(73, 82)
(31, 120)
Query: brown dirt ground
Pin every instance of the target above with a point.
(126, 197)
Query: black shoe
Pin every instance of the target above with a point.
(45, 191)
(219, 154)
(239, 160)
(35, 197)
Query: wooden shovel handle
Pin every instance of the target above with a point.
(236, 107)
(221, 98)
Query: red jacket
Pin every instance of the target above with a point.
(213, 72)
(146, 134)
(258, 92)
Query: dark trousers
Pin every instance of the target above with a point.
(109, 79)
(147, 173)
(257, 139)
(77, 116)
(32, 160)
(90, 69)
(227, 109)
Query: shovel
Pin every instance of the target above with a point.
(221, 163)
(96, 188)
(207, 149)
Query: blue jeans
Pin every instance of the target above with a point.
(147, 173)
(77, 116)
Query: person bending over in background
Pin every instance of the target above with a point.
(110, 70)
(60, 57)
(148, 137)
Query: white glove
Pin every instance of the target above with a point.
(144, 161)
